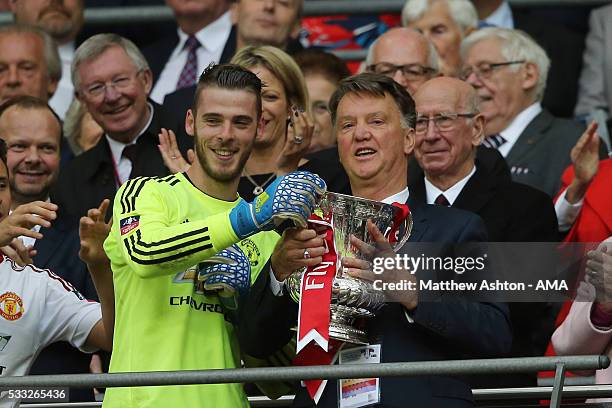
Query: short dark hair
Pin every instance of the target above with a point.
(318, 62)
(376, 85)
(3, 152)
(228, 76)
(31, 102)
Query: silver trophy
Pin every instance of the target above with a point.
(352, 298)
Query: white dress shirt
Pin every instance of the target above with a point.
(518, 125)
(451, 193)
(212, 40)
(65, 92)
(123, 165)
(502, 17)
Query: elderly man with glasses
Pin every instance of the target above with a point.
(449, 127)
(113, 81)
(405, 55)
(509, 71)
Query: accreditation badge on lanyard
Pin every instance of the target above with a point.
(361, 392)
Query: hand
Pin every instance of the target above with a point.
(599, 273)
(292, 197)
(585, 157)
(173, 159)
(289, 253)
(21, 221)
(228, 273)
(297, 142)
(93, 231)
(19, 253)
(362, 269)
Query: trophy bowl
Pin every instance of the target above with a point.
(352, 298)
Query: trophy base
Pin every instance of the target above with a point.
(347, 334)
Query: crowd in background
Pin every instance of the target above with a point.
(82, 115)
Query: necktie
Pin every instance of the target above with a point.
(130, 152)
(190, 70)
(441, 200)
(494, 141)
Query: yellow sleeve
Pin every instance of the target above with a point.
(146, 237)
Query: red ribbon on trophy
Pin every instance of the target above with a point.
(313, 344)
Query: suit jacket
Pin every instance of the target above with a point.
(594, 222)
(441, 330)
(158, 53)
(595, 85)
(564, 48)
(512, 212)
(542, 152)
(90, 177)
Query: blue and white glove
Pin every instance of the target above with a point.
(228, 272)
(293, 196)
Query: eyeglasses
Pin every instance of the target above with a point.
(485, 70)
(442, 121)
(411, 72)
(98, 89)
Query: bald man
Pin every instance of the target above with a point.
(448, 129)
(405, 55)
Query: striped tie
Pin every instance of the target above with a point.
(494, 141)
(189, 73)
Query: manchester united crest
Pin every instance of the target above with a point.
(11, 306)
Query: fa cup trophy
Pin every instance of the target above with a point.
(353, 298)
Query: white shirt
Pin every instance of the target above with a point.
(65, 91)
(400, 197)
(502, 17)
(518, 125)
(212, 39)
(566, 212)
(123, 165)
(38, 308)
(451, 193)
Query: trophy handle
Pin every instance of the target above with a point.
(402, 222)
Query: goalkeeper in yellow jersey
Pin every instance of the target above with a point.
(180, 244)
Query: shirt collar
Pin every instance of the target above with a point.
(66, 51)
(517, 126)
(502, 17)
(211, 37)
(117, 147)
(401, 197)
(451, 193)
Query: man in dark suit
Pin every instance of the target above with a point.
(374, 118)
(33, 132)
(451, 172)
(258, 23)
(113, 81)
(509, 71)
(563, 46)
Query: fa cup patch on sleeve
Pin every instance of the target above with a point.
(129, 223)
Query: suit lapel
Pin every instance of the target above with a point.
(46, 247)
(230, 47)
(532, 135)
(419, 219)
(476, 193)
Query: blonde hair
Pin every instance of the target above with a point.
(282, 66)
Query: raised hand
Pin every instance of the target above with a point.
(299, 134)
(173, 159)
(585, 157)
(93, 231)
(293, 196)
(21, 221)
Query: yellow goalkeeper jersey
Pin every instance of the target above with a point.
(162, 228)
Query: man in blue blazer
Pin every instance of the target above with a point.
(374, 118)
